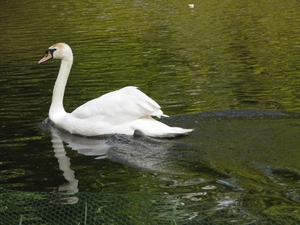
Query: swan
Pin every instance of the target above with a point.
(126, 111)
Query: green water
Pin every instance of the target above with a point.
(217, 56)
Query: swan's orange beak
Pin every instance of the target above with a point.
(47, 57)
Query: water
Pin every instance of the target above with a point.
(215, 57)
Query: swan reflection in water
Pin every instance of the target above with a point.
(71, 187)
(140, 152)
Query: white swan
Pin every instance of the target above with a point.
(123, 111)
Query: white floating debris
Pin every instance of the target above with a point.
(191, 6)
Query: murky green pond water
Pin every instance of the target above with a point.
(229, 69)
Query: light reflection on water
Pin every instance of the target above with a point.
(216, 56)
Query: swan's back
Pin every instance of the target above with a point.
(122, 105)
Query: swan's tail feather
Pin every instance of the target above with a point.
(175, 131)
(154, 128)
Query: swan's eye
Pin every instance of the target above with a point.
(51, 51)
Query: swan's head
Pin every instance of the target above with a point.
(58, 51)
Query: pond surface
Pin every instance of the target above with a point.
(230, 70)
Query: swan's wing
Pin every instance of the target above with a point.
(122, 105)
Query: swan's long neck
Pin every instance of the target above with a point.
(57, 111)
